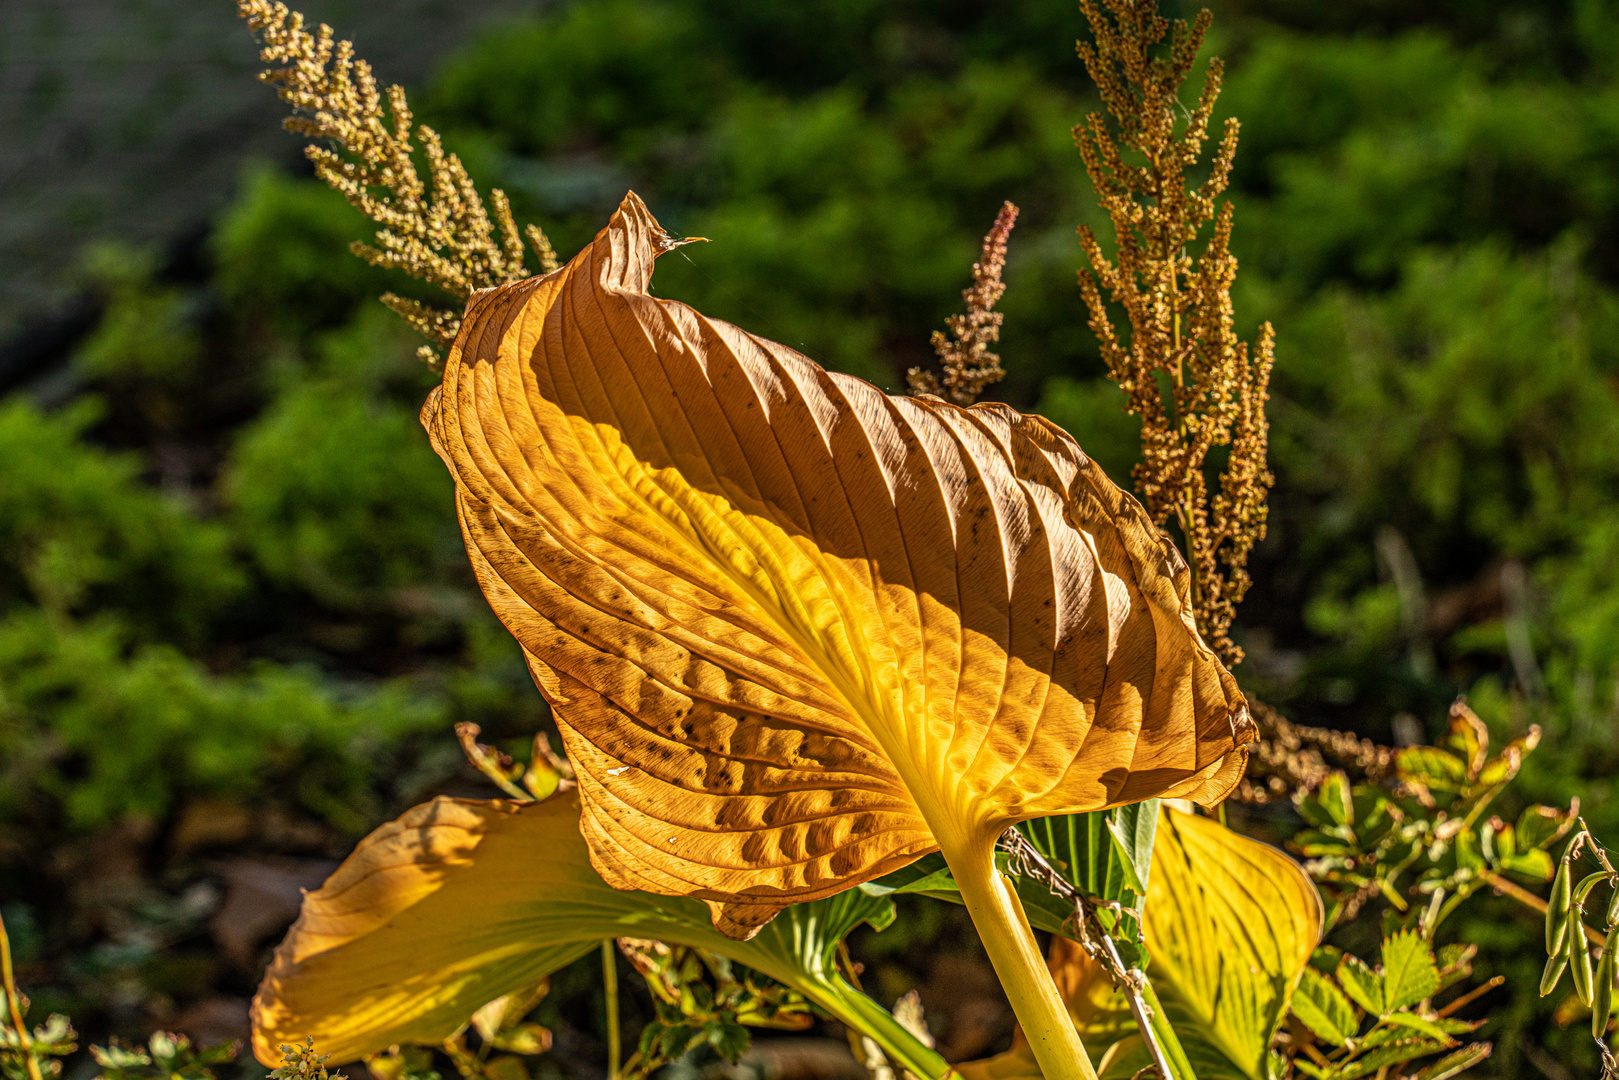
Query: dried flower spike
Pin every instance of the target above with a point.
(439, 231)
(968, 364)
(1188, 378)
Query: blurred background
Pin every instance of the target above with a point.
(236, 621)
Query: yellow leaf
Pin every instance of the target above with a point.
(797, 632)
(439, 914)
(1231, 924)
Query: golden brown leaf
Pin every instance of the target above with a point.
(798, 632)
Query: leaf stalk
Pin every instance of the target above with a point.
(1004, 930)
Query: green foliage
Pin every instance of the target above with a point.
(166, 1057)
(1427, 840)
(46, 1044)
(146, 330)
(278, 252)
(1335, 1009)
(113, 729)
(701, 999)
(83, 534)
(334, 489)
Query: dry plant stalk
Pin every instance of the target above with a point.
(1293, 759)
(964, 354)
(1192, 383)
(438, 231)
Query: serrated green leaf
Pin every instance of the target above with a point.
(1361, 983)
(1421, 1025)
(1409, 971)
(675, 1040)
(730, 1041)
(1389, 1055)
(1323, 1008)
(1431, 767)
(1455, 1064)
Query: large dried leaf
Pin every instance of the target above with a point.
(458, 902)
(798, 632)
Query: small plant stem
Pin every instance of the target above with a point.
(1004, 930)
(14, 1004)
(1471, 996)
(863, 1016)
(1530, 900)
(615, 1048)
(1161, 1038)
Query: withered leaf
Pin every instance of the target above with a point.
(798, 632)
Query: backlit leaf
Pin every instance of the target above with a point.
(1409, 972)
(1455, 1064)
(1323, 1009)
(1421, 1025)
(457, 903)
(1231, 924)
(1467, 738)
(1134, 828)
(1362, 984)
(797, 632)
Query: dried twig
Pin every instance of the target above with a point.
(964, 354)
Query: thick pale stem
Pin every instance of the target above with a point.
(1004, 930)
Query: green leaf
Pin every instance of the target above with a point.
(1542, 826)
(1323, 1008)
(1361, 983)
(676, 1040)
(1535, 864)
(1421, 1026)
(1431, 767)
(1133, 828)
(1232, 923)
(1455, 1064)
(1389, 1055)
(1409, 972)
(730, 1041)
(1092, 851)
(929, 876)
(1336, 798)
